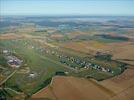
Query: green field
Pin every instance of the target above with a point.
(45, 65)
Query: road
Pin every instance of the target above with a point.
(8, 77)
(13, 90)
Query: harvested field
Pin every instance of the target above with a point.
(70, 88)
(85, 46)
(125, 95)
(121, 82)
(76, 33)
(55, 36)
(44, 94)
(10, 36)
(122, 85)
(120, 51)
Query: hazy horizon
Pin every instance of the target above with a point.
(67, 7)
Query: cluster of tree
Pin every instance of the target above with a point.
(103, 56)
(61, 73)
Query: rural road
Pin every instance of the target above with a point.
(13, 90)
(8, 77)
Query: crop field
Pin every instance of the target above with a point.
(121, 51)
(116, 88)
(80, 88)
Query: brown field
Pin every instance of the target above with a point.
(121, 51)
(76, 33)
(19, 97)
(122, 85)
(10, 36)
(85, 46)
(70, 88)
(56, 36)
(44, 94)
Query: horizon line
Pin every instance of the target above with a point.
(69, 15)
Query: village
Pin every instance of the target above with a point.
(73, 62)
(76, 63)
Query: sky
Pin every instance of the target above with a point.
(67, 7)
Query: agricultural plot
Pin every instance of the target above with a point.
(116, 88)
(73, 88)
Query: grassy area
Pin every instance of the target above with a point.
(42, 66)
(45, 65)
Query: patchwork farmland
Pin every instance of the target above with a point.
(49, 62)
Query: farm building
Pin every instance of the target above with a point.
(14, 61)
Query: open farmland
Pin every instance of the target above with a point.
(42, 61)
(121, 51)
(10, 36)
(64, 61)
(117, 88)
(73, 88)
